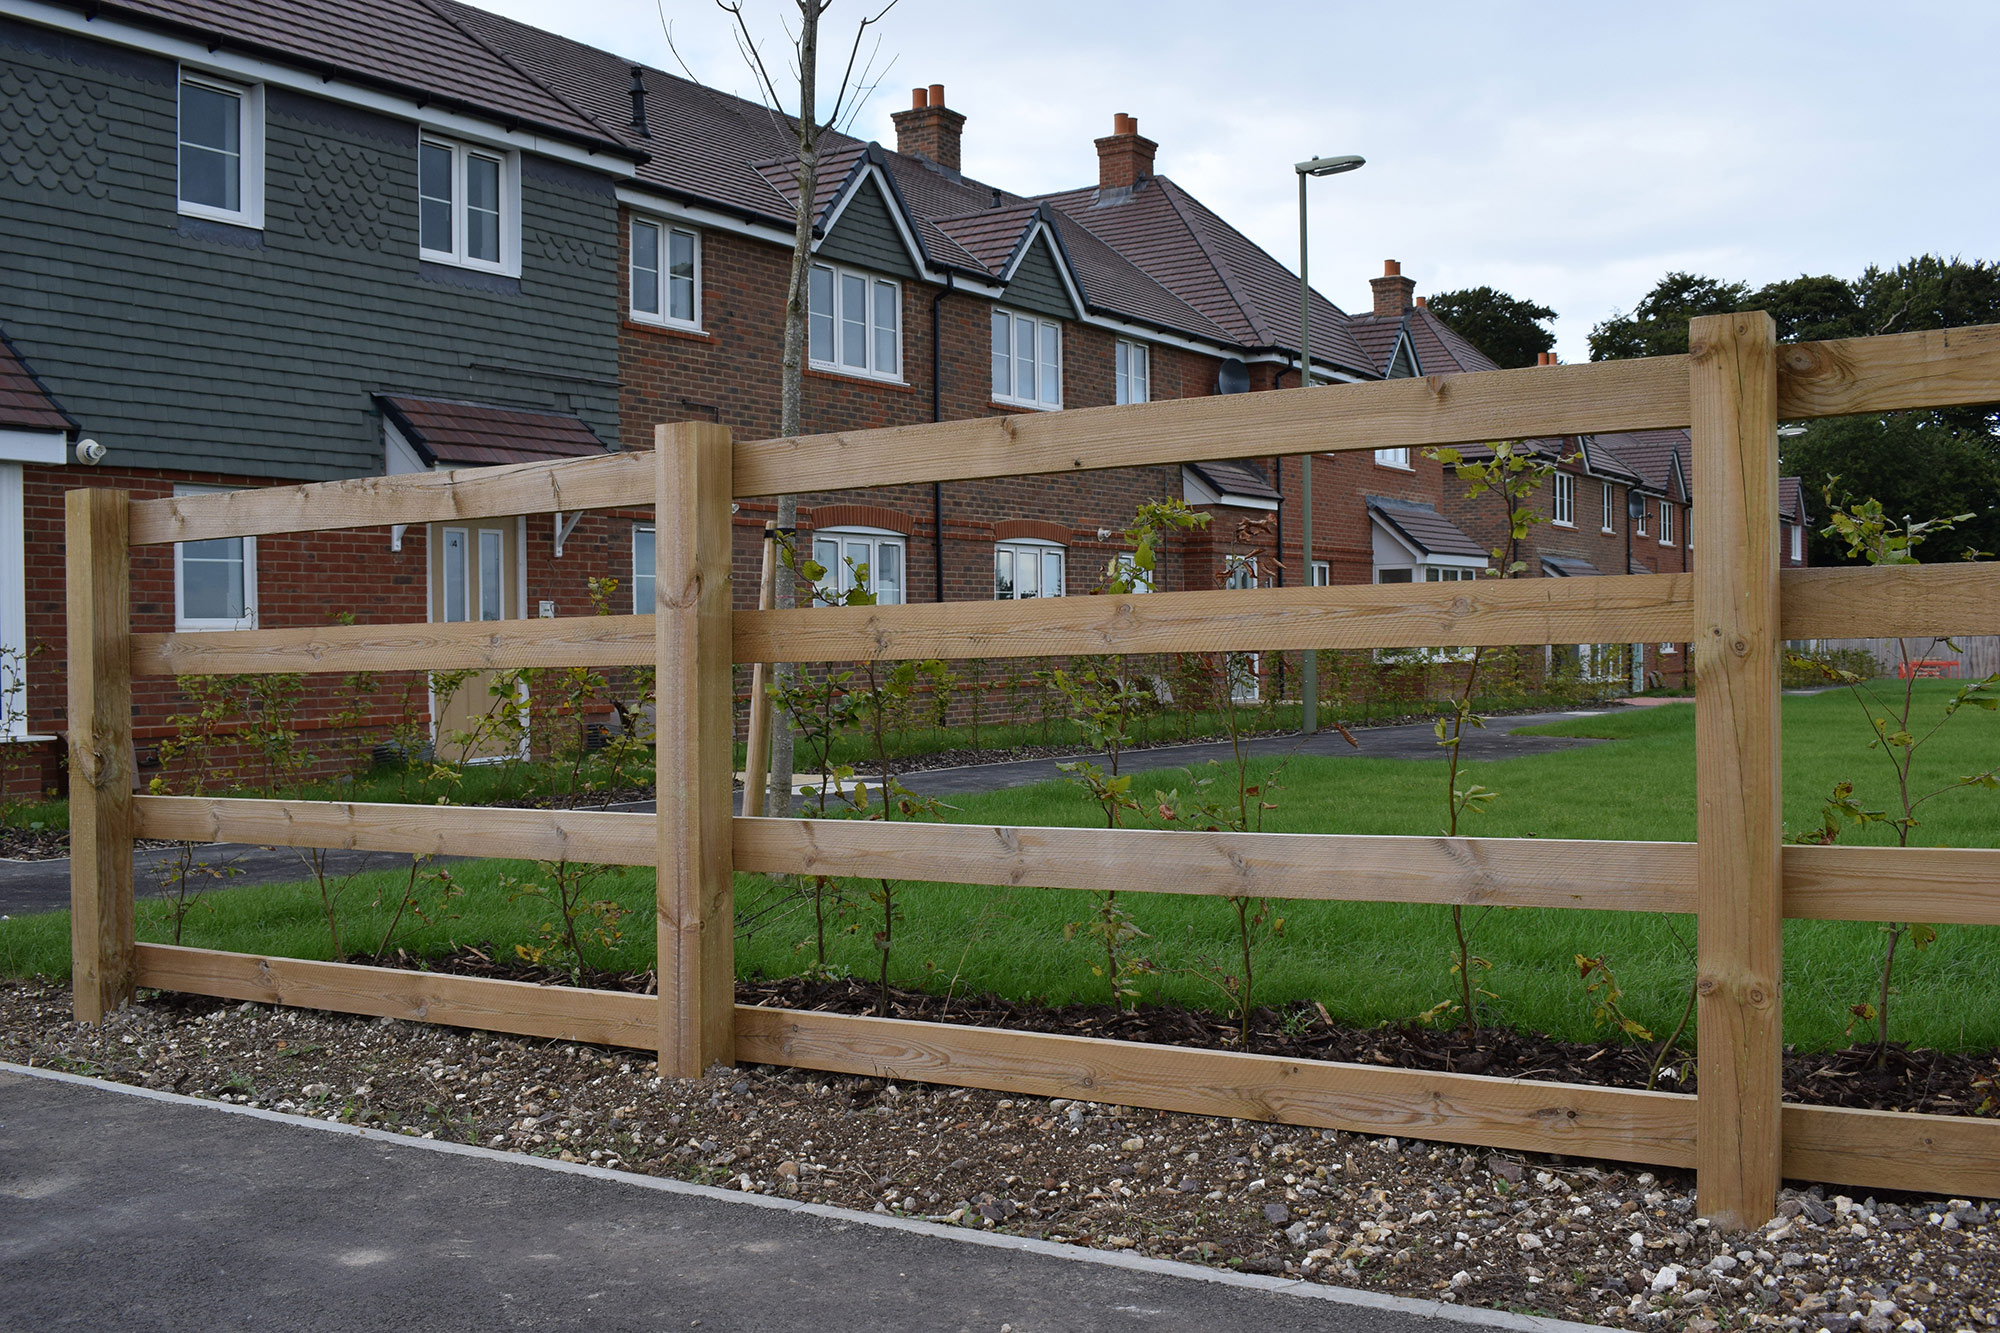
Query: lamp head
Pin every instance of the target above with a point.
(1329, 166)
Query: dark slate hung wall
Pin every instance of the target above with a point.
(192, 345)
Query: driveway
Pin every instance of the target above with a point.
(145, 1211)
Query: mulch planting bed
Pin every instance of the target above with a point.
(1861, 1077)
(1583, 1240)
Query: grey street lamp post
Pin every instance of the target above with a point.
(1318, 166)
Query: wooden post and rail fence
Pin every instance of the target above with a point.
(1738, 878)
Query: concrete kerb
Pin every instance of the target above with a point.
(1464, 1316)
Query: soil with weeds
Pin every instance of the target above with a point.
(1582, 1240)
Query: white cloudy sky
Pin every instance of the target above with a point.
(1566, 152)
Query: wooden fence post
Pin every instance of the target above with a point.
(1740, 932)
(98, 583)
(757, 735)
(696, 900)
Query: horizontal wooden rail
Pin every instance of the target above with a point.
(1892, 373)
(1620, 1124)
(1636, 608)
(1633, 608)
(610, 1018)
(1870, 1149)
(1890, 600)
(461, 646)
(1948, 886)
(1816, 379)
(596, 837)
(1943, 1156)
(618, 481)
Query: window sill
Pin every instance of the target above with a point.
(1000, 406)
(1558, 523)
(32, 738)
(670, 330)
(212, 626)
(1609, 532)
(858, 377)
(247, 220)
(474, 279)
(1387, 467)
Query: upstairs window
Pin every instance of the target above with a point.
(666, 274)
(1608, 523)
(468, 207)
(1134, 373)
(1639, 526)
(1565, 512)
(1666, 524)
(1023, 569)
(221, 145)
(855, 323)
(1027, 360)
(1398, 458)
(1798, 543)
(871, 558)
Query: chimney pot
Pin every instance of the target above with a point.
(1423, 302)
(929, 129)
(1393, 291)
(1123, 124)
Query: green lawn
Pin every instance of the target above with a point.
(1365, 962)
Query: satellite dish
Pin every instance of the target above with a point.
(1233, 377)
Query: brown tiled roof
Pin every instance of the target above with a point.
(24, 403)
(1440, 350)
(1236, 478)
(1183, 245)
(410, 45)
(1424, 527)
(1792, 499)
(478, 433)
(1650, 453)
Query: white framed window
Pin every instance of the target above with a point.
(1639, 524)
(1027, 360)
(1666, 524)
(1027, 568)
(1322, 573)
(874, 558)
(1134, 371)
(1123, 569)
(468, 205)
(1669, 649)
(1609, 522)
(1565, 511)
(643, 569)
(215, 581)
(855, 323)
(666, 274)
(221, 150)
(1449, 574)
(1798, 543)
(1396, 458)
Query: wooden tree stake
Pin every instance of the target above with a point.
(100, 751)
(1738, 879)
(757, 736)
(697, 966)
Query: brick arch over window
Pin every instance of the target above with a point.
(1033, 529)
(861, 516)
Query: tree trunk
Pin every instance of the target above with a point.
(778, 800)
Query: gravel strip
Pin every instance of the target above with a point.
(1588, 1241)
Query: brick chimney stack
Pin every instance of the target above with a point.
(929, 129)
(1124, 156)
(1393, 291)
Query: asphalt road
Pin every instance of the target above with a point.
(43, 886)
(128, 1212)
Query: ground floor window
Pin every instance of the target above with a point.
(1322, 573)
(1028, 568)
(642, 569)
(868, 558)
(215, 581)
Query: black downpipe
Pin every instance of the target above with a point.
(937, 414)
